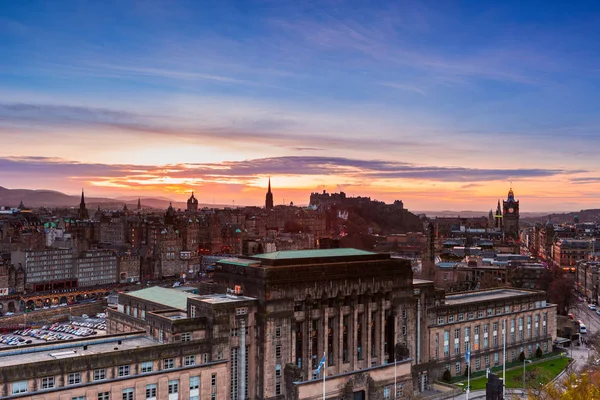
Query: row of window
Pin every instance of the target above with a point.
(496, 357)
(151, 390)
(496, 336)
(489, 312)
(101, 374)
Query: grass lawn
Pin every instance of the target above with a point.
(545, 372)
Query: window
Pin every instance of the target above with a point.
(78, 398)
(189, 360)
(278, 351)
(19, 387)
(278, 331)
(461, 316)
(123, 370)
(440, 320)
(457, 368)
(278, 370)
(496, 359)
(446, 343)
(490, 312)
(278, 388)
(169, 363)
(147, 366)
(477, 363)
(400, 390)
(127, 394)
(104, 396)
(213, 387)
(99, 374)
(450, 318)
(471, 315)
(194, 382)
(386, 392)
(487, 361)
(74, 378)
(173, 386)
(47, 383)
(186, 337)
(193, 312)
(151, 392)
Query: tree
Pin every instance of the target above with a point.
(447, 376)
(539, 353)
(582, 386)
(522, 356)
(560, 292)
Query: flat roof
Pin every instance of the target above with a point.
(316, 253)
(69, 349)
(169, 297)
(223, 298)
(478, 296)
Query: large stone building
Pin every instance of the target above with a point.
(127, 366)
(47, 269)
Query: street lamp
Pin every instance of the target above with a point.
(524, 361)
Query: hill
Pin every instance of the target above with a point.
(52, 198)
(591, 215)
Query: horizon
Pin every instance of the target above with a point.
(442, 106)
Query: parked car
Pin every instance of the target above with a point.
(592, 306)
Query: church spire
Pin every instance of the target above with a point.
(83, 213)
(269, 197)
(139, 205)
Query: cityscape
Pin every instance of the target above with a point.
(299, 201)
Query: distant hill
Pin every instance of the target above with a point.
(592, 215)
(52, 198)
(471, 214)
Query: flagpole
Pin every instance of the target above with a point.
(468, 360)
(324, 373)
(504, 362)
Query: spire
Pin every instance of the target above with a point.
(139, 206)
(269, 197)
(82, 203)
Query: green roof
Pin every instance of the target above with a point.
(317, 253)
(171, 298)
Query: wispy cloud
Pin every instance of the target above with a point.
(403, 86)
(247, 171)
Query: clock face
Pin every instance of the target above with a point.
(511, 210)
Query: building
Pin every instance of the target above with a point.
(129, 267)
(127, 366)
(226, 322)
(269, 198)
(96, 267)
(353, 306)
(82, 213)
(192, 204)
(474, 320)
(49, 269)
(568, 252)
(510, 217)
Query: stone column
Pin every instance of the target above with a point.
(367, 332)
(381, 331)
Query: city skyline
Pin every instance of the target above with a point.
(441, 106)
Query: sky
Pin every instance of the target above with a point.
(442, 104)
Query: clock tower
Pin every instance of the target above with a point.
(510, 216)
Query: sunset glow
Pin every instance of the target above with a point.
(402, 101)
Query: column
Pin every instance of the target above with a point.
(382, 331)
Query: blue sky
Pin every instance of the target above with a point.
(490, 92)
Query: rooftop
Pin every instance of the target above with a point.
(169, 297)
(484, 295)
(317, 253)
(68, 349)
(223, 298)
